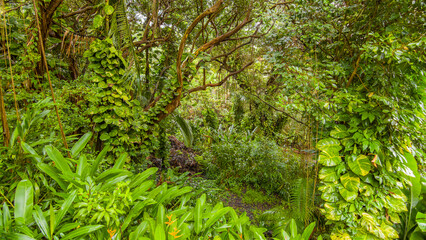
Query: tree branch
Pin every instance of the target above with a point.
(205, 86)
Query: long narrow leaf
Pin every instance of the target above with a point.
(98, 160)
(216, 216)
(53, 173)
(308, 231)
(138, 179)
(80, 144)
(65, 206)
(198, 217)
(60, 162)
(16, 236)
(41, 222)
(82, 166)
(28, 149)
(119, 163)
(82, 231)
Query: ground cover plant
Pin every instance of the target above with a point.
(242, 119)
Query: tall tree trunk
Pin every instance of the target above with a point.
(46, 11)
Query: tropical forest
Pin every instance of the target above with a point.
(213, 119)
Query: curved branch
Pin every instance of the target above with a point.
(204, 87)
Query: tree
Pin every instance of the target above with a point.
(360, 70)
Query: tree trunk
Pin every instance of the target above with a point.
(46, 17)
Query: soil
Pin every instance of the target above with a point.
(182, 157)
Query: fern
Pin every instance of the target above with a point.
(185, 129)
(121, 34)
(302, 201)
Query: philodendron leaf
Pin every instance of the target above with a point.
(361, 165)
(350, 181)
(328, 174)
(389, 231)
(328, 143)
(340, 131)
(108, 9)
(24, 201)
(349, 196)
(329, 155)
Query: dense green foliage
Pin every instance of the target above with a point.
(319, 103)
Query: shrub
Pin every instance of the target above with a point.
(259, 163)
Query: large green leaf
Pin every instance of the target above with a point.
(80, 144)
(329, 158)
(361, 165)
(328, 143)
(330, 197)
(24, 201)
(349, 196)
(389, 231)
(329, 155)
(328, 174)
(340, 131)
(350, 181)
(82, 231)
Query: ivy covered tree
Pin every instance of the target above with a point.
(358, 68)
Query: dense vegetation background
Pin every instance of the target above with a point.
(245, 119)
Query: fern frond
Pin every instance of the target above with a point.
(121, 34)
(302, 200)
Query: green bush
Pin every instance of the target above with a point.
(259, 163)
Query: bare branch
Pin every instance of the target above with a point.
(81, 10)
